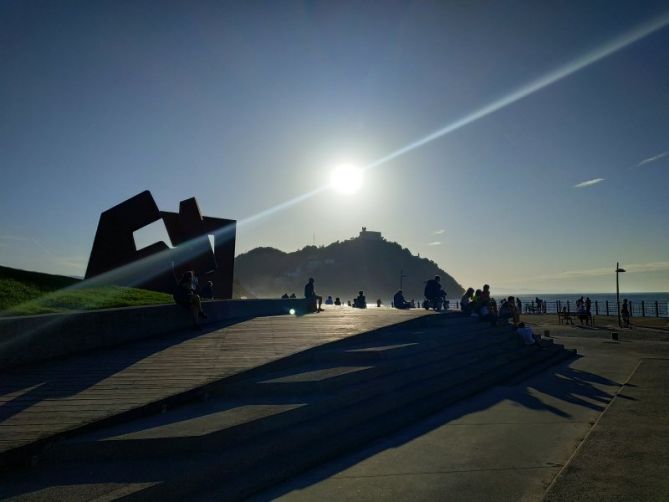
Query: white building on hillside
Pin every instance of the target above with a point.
(370, 235)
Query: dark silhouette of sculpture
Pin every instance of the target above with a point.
(189, 231)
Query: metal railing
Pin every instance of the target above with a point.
(597, 307)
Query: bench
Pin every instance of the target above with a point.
(565, 317)
(531, 308)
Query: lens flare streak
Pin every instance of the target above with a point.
(140, 270)
(554, 76)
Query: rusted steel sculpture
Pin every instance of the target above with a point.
(160, 264)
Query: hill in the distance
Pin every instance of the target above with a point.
(367, 262)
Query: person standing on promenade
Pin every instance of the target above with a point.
(541, 307)
(625, 313)
(434, 294)
(310, 293)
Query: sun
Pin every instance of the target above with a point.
(346, 179)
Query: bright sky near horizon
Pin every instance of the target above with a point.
(249, 105)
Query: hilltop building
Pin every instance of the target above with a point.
(370, 235)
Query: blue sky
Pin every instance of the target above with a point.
(246, 105)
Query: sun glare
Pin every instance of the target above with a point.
(346, 179)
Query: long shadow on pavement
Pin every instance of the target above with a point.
(564, 383)
(71, 375)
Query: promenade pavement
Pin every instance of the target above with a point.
(513, 442)
(45, 400)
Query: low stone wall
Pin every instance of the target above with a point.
(29, 339)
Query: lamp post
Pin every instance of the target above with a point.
(402, 276)
(618, 271)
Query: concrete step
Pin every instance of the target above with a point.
(157, 399)
(242, 446)
(321, 379)
(271, 458)
(275, 405)
(556, 358)
(402, 345)
(244, 482)
(405, 332)
(235, 472)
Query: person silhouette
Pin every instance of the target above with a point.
(185, 295)
(399, 302)
(360, 301)
(309, 293)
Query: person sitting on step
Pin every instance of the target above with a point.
(399, 302)
(360, 302)
(208, 290)
(527, 335)
(508, 310)
(185, 295)
(466, 302)
(486, 308)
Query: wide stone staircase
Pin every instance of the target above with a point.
(266, 425)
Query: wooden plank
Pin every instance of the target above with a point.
(35, 401)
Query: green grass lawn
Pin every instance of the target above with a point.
(26, 293)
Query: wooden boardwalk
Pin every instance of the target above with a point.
(52, 398)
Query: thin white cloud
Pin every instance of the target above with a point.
(435, 243)
(13, 238)
(588, 183)
(653, 158)
(438, 232)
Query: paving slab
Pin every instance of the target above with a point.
(48, 399)
(626, 455)
(508, 443)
